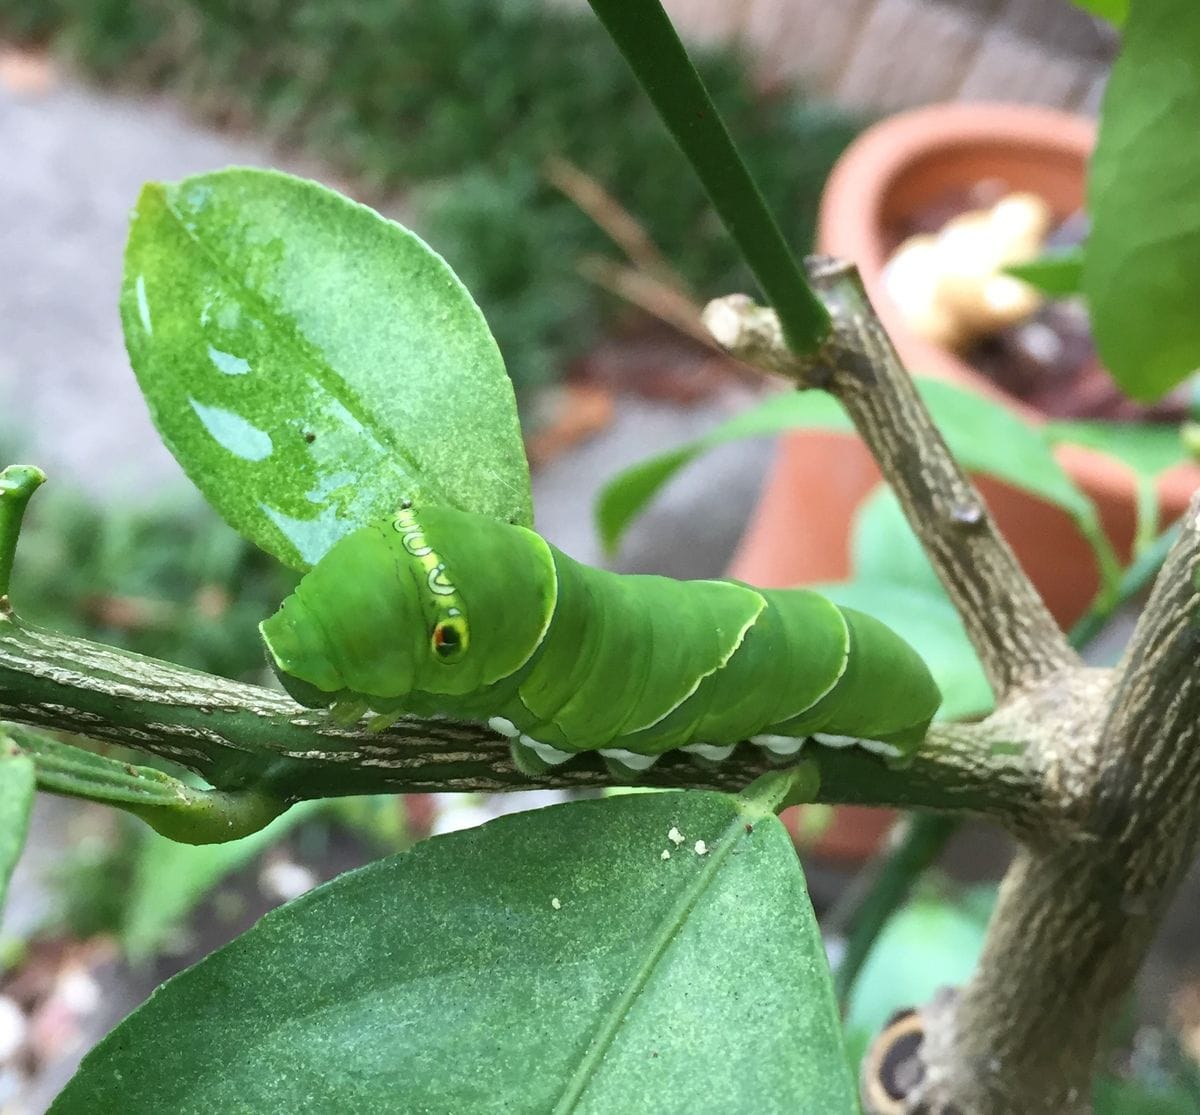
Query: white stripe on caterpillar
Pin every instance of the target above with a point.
(876, 746)
(548, 754)
(630, 759)
(709, 750)
(780, 745)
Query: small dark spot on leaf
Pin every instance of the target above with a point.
(309, 436)
(749, 828)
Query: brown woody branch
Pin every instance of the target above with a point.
(1016, 638)
(239, 736)
(1077, 914)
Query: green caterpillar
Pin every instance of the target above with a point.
(445, 612)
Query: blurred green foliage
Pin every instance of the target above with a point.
(464, 100)
(169, 580)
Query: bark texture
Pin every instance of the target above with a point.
(1079, 908)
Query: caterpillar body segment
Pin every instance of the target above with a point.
(446, 612)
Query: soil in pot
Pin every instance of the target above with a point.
(1047, 359)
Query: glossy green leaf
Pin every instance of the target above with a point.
(984, 436)
(310, 363)
(551, 960)
(1141, 275)
(625, 496)
(1058, 274)
(1115, 11)
(16, 800)
(1147, 450)
(171, 879)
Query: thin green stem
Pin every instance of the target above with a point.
(868, 905)
(17, 485)
(776, 790)
(643, 33)
(1138, 576)
(189, 814)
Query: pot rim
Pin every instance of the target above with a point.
(851, 219)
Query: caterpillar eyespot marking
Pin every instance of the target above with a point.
(442, 612)
(449, 640)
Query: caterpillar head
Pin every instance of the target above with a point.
(439, 602)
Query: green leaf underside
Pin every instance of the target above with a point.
(16, 800)
(69, 770)
(1140, 276)
(984, 436)
(310, 363)
(1058, 274)
(549, 961)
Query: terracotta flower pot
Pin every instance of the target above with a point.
(800, 530)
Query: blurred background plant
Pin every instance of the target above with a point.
(170, 580)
